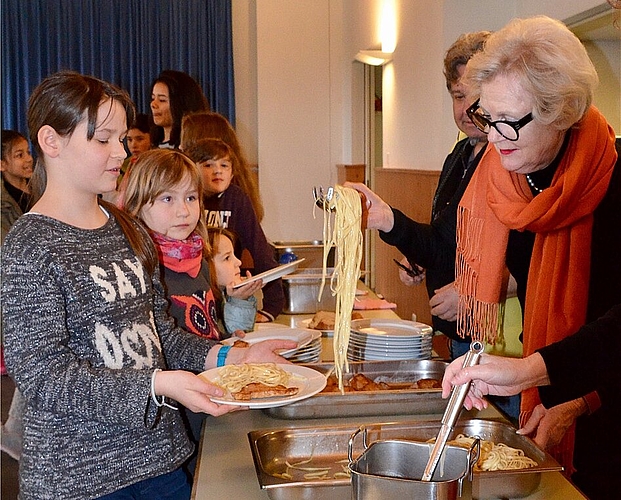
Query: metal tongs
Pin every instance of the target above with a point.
(324, 201)
(453, 408)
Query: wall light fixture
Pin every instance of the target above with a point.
(374, 57)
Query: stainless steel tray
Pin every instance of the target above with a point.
(386, 402)
(327, 447)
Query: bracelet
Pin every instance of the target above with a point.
(222, 353)
(161, 403)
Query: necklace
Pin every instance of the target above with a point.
(532, 184)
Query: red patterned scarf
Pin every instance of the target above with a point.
(181, 256)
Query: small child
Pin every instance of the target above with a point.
(137, 141)
(227, 205)
(88, 341)
(138, 137)
(16, 168)
(237, 307)
(164, 192)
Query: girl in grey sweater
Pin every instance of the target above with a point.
(88, 342)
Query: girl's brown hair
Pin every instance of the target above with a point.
(62, 101)
(205, 125)
(154, 172)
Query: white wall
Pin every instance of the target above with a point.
(418, 120)
(606, 55)
(294, 112)
(300, 95)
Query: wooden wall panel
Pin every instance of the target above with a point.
(411, 191)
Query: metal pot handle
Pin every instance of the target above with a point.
(473, 456)
(350, 445)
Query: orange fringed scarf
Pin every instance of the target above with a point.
(562, 218)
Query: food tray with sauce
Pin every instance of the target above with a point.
(398, 401)
(327, 447)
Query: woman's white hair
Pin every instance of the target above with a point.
(549, 61)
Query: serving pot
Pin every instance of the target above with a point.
(392, 470)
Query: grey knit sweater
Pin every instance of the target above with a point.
(84, 329)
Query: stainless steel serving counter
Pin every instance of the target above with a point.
(225, 468)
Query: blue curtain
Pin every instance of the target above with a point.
(126, 42)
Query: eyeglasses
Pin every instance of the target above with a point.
(507, 128)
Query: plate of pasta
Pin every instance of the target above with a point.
(290, 383)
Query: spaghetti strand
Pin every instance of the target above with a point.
(346, 237)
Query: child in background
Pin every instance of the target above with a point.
(164, 191)
(15, 198)
(236, 306)
(87, 338)
(137, 141)
(16, 170)
(212, 125)
(138, 137)
(228, 206)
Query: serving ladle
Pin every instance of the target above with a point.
(453, 408)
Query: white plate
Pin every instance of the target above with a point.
(303, 323)
(308, 381)
(389, 328)
(301, 336)
(268, 326)
(305, 354)
(272, 274)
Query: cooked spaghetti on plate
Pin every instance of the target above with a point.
(264, 385)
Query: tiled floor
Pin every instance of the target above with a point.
(9, 466)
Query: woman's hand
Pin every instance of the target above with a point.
(379, 214)
(494, 375)
(243, 292)
(444, 302)
(191, 391)
(550, 425)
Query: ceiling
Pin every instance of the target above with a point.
(606, 26)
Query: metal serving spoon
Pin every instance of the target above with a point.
(453, 408)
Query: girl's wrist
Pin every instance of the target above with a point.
(221, 353)
(159, 401)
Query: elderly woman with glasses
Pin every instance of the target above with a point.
(545, 204)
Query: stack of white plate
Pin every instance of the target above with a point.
(309, 341)
(388, 339)
(310, 353)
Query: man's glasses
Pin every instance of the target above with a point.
(508, 129)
